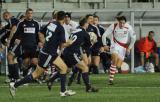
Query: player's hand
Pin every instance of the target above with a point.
(102, 49)
(106, 48)
(17, 41)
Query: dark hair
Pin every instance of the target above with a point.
(61, 15)
(82, 21)
(119, 18)
(88, 15)
(68, 14)
(151, 32)
(29, 9)
(95, 16)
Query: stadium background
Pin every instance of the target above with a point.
(143, 14)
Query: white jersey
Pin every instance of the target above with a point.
(121, 36)
(69, 28)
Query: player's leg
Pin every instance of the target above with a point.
(156, 56)
(95, 64)
(12, 66)
(81, 65)
(119, 63)
(63, 71)
(112, 70)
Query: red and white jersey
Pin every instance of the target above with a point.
(123, 36)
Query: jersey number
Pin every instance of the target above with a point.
(50, 30)
(73, 37)
(49, 35)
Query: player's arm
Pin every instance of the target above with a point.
(41, 37)
(133, 38)
(108, 31)
(13, 30)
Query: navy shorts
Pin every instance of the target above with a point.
(71, 59)
(95, 51)
(45, 59)
(29, 52)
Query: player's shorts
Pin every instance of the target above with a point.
(71, 59)
(29, 52)
(116, 48)
(95, 51)
(45, 59)
(15, 49)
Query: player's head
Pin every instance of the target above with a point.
(29, 14)
(54, 14)
(122, 21)
(67, 17)
(83, 23)
(150, 35)
(61, 16)
(6, 15)
(22, 17)
(96, 20)
(89, 18)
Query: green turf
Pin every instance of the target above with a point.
(127, 88)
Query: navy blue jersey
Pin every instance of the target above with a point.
(80, 38)
(92, 28)
(44, 29)
(28, 32)
(55, 35)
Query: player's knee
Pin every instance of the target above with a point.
(63, 70)
(85, 69)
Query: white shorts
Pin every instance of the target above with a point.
(116, 48)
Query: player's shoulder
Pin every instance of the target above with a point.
(35, 21)
(128, 26)
(74, 23)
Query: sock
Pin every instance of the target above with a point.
(54, 76)
(112, 72)
(86, 79)
(79, 76)
(16, 71)
(11, 71)
(26, 79)
(90, 68)
(73, 75)
(95, 69)
(63, 82)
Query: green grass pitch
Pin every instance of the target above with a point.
(127, 88)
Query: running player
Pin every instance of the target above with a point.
(123, 39)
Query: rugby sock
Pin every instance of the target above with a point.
(16, 71)
(54, 76)
(74, 70)
(95, 69)
(11, 70)
(63, 82)
(85, 77)
(112, 72)
(26, 79)
(79, 77)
